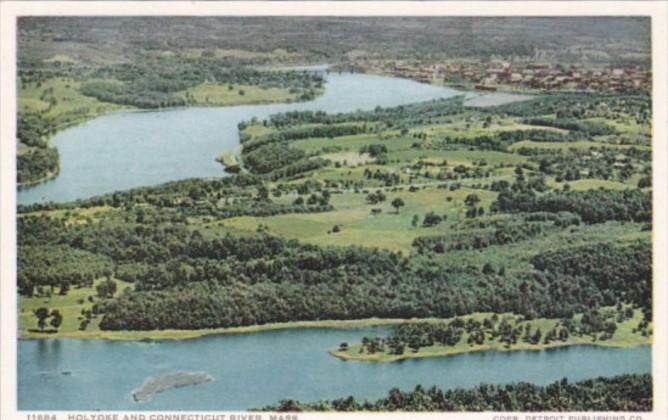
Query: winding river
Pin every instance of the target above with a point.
(131, 149)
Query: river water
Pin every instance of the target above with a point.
(257, 369)
(131, 149)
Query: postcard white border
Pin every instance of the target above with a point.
(10, 10)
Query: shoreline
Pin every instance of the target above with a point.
(130, 109)
(383, 358)
(182, 335)
(46, 178)
(470, 93)
(178, 335)
(57, 130)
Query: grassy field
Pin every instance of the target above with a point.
(70, 307)
(388, 229)
(624, 125)
(461, 156)
(349, 158)
(76, 216)
(473, 126)
(623, 337)
(228, 95)
(590, 184)
(350, 143)
(71, 105)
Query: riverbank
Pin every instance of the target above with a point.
(170, 335)
(625, 336)
(622, 339)
(230, 162)
(61, 105)
(49, 176)
(68, 113)
(444, 351)
(463, 86)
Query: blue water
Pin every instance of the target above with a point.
(131, 149)
(254, 370)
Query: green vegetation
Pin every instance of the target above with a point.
(619, 393)
(520, 226)
(405, 233)
(229, 160)
(71, 70)
(272, 41)
(57, 90)
(44, 108)
(178, 82)
(615, 327)
(28, 330)
(222, 95)
(76, 309)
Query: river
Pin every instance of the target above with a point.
(131, 149)
(257, 369)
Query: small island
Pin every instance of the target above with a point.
(159, 384)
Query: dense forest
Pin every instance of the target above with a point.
(158, 238)
(39, 159)
(620, 393)
(140, 85)
(249, 280)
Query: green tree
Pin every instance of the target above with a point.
(397, 203)
(488, 268)
(471, 200)
(56, 319)
(262, 193)
(431, 219)
(106, 289)
(645, 182)
(536, 336)
(42, 314)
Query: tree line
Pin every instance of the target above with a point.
(599, 324)
(592, 206)
(500, 232)
(618, 393)
(255, 279)
(40, 160)
(157, 82)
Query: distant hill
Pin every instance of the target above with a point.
(611, 40)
